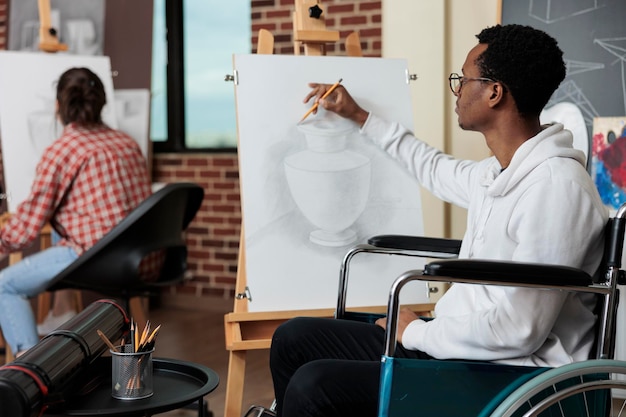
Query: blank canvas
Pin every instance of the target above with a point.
(132, 107)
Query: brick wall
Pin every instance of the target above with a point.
(3, 23)
(213, 236)
(363, 16)
(4, 17)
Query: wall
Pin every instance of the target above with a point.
(435, 37)
(418, 30)
(467, 20)
(213, 236)
(405, 36)
(4, 17)
(3, 23)
(128, 41)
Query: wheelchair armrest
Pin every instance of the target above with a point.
(485, 271)
(404, 245)
(488, 272)
(416, 243)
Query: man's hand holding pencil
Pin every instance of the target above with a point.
(335, 98)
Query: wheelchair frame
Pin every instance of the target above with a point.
(540, 276)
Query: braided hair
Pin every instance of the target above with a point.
(80, 97)
(526, 60)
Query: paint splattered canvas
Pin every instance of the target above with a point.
(609, 159)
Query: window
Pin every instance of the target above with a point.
(193, 108)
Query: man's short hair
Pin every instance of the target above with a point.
(526, 60)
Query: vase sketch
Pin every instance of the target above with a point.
(329, 183)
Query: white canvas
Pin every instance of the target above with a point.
(27, 111)
(286, 267)
(132, 107)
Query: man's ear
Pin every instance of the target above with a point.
(496, 94)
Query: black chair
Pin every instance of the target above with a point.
(143, 253)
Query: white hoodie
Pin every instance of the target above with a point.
(543, 208)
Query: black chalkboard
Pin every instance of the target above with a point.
(592, 35)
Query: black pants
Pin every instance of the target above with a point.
(327, 367)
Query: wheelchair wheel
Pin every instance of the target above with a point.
(595, 388)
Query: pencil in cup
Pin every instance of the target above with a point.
(131, 373)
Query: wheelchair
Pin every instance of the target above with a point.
(455, 388)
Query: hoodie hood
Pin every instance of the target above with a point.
(552, 142)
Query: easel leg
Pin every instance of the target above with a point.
(234, 383)
(8, 355)
(44, 303)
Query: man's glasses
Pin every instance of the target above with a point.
(457, 81)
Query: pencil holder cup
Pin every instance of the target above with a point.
(131, 373)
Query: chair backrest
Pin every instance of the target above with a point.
(115, 264)
(610, 274)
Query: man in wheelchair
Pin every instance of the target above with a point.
(532, 201)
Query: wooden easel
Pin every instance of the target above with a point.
(246, 330)
(48, 38)
(253, 330)
(309, 28)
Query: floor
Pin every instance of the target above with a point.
(198, 336)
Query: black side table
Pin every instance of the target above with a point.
(176, 384)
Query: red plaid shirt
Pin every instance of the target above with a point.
(86, 182)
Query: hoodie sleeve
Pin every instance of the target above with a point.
(515, 327)
(557, 221)
(447, 178)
